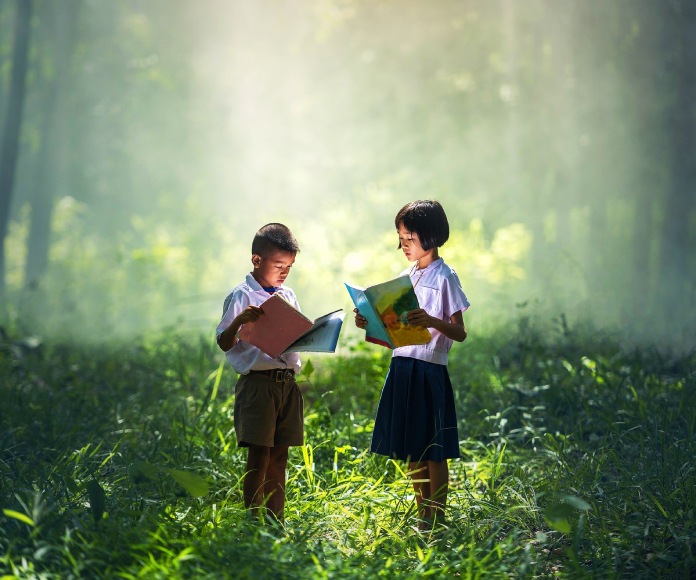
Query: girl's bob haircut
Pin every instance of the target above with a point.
(427, 219)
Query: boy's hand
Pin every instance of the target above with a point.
(228, 337)
(419, 317)
(360, 320)
(249, 314)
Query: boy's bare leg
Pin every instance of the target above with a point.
(258, 460)
(421, 486)
(274, 486)
(439, 486)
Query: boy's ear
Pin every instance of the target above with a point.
(256, 260)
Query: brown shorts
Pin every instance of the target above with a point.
(268, 412)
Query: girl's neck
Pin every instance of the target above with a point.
(427, 259)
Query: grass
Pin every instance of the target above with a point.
(577, 461)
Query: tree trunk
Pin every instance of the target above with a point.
(649, 77)
(51, 160)
(512, 141)
(9, 147)
(676, 285)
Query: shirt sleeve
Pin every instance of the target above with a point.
(235, 302)
(453, 298)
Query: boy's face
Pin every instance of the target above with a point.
(273, 268)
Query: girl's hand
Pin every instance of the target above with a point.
(453, 329)
(360, 320)
(419, 318)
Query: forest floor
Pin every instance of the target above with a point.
(578, 460)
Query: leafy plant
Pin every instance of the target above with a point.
(577, 460)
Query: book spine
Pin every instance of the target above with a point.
(374, 340)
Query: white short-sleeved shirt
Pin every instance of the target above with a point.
(440, 294)
(243, 356)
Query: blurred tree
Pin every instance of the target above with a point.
(59, 22)
(677, 241)
(182, 116)
(9, 146)
(649, 77)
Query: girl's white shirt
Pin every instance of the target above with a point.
(440, 294)
(243, 356)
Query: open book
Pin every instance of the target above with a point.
(385, 306)
(283, 328)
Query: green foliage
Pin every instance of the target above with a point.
(577, 461)
(498, 117)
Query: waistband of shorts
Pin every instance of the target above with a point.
(277, 375)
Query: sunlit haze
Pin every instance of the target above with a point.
(165, 133)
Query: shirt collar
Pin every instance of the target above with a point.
(253, 284)
(432, 266)
(256, 287)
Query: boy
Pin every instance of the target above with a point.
(268, 407)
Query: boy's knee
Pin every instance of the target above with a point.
(258, 457)
(278, 458)
(280, 451)
(279, 454)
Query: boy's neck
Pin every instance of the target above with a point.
(269, 289)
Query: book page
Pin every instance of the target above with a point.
(323, 336)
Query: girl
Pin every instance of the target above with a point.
(416, 420)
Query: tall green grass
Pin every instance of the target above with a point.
(121, 462)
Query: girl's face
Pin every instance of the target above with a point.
(410, 244)
(273, 269)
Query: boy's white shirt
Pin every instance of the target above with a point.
(440, 294)
(243, 356)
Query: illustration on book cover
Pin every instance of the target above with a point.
(385, 306)
(392, 307)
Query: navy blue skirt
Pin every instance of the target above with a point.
(416, 419)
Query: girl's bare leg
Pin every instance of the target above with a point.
(438, 472)
(421, 486)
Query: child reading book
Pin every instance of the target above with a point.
(416, 420)
(268, 406)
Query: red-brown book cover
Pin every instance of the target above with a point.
(280, 325)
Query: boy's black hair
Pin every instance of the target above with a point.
(274, 236)
(427, 219)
